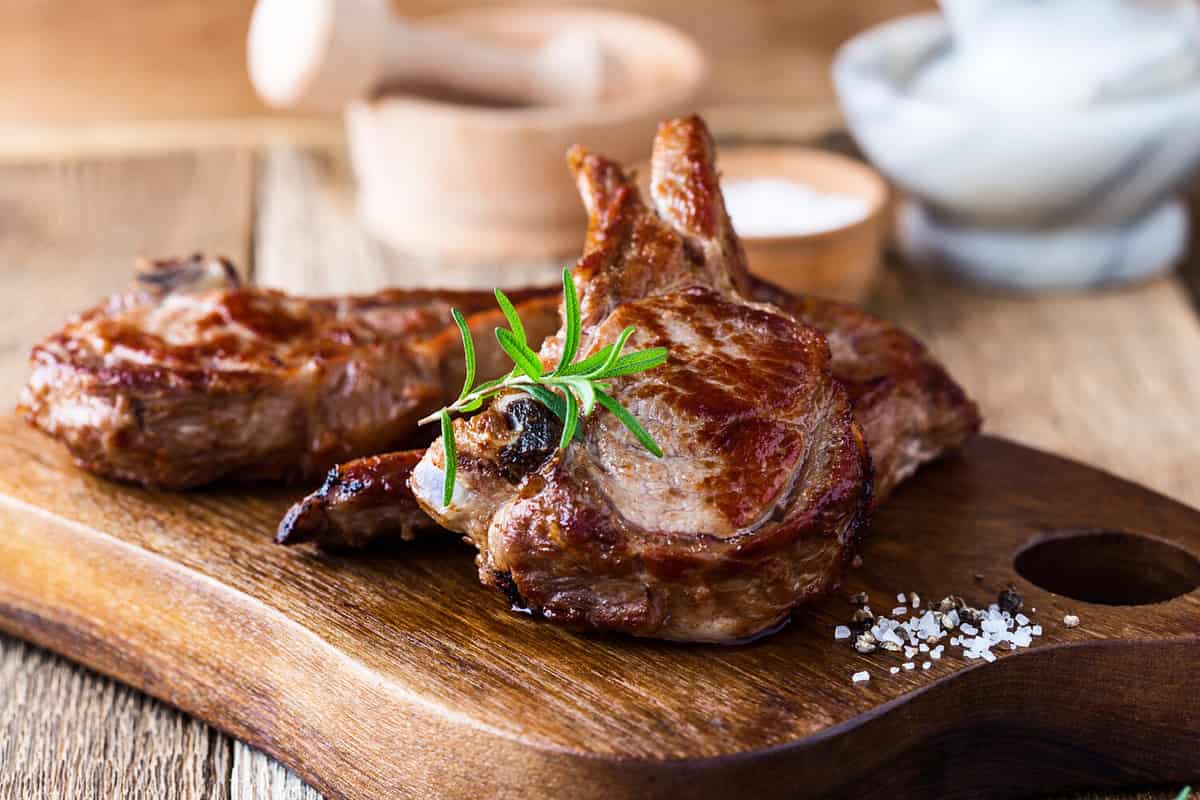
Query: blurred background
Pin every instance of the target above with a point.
(73, 61)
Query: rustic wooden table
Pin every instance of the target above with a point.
(1110, 378)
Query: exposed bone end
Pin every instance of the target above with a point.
(197, 273)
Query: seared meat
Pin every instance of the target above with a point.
(358, 502)
(761, 493)
(910, 409)
(189, 378)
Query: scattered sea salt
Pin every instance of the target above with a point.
(1071, 621)
(901, 598)
(859, 677)
(980, 633)
(841, 632)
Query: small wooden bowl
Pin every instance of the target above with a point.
(840, 262)
(473, 182)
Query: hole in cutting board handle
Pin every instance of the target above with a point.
(1111, 568)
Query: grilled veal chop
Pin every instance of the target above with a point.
(758, 500)
(190, 378)
(910, 409)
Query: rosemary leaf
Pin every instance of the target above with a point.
(520, 353)
(589, 364)
(451, 458)
(510, 314)
(615, 353)
(628, 420)
(473, 405)
(549, 399)
(571, 323)
(468, 351)
(583, 388)
(570, 421)
(635, 362)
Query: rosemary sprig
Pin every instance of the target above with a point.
(571, 391)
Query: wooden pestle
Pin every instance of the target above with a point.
(319, 54)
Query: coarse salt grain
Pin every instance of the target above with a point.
(920, 631)
(859, 677)
(782, 207)
(1071, 621)
(841, 632)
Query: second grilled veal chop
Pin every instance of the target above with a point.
(189, 377)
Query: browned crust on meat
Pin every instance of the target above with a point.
(252, 385)
(562, 541)
(911, 410)
(358, 502)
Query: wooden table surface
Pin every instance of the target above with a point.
(1110, 378)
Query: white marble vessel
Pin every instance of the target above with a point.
(1044, 142)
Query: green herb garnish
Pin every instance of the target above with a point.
(571, 391)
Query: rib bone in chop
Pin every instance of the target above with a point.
(189, 378)
(759, 498)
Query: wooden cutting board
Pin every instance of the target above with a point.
(395, 674)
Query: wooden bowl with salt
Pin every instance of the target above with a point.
(810, 220)
(461, 180)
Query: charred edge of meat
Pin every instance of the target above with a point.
(503, 580)
(538, 431)
(304, 522)
(196, 273)
(308, 520)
